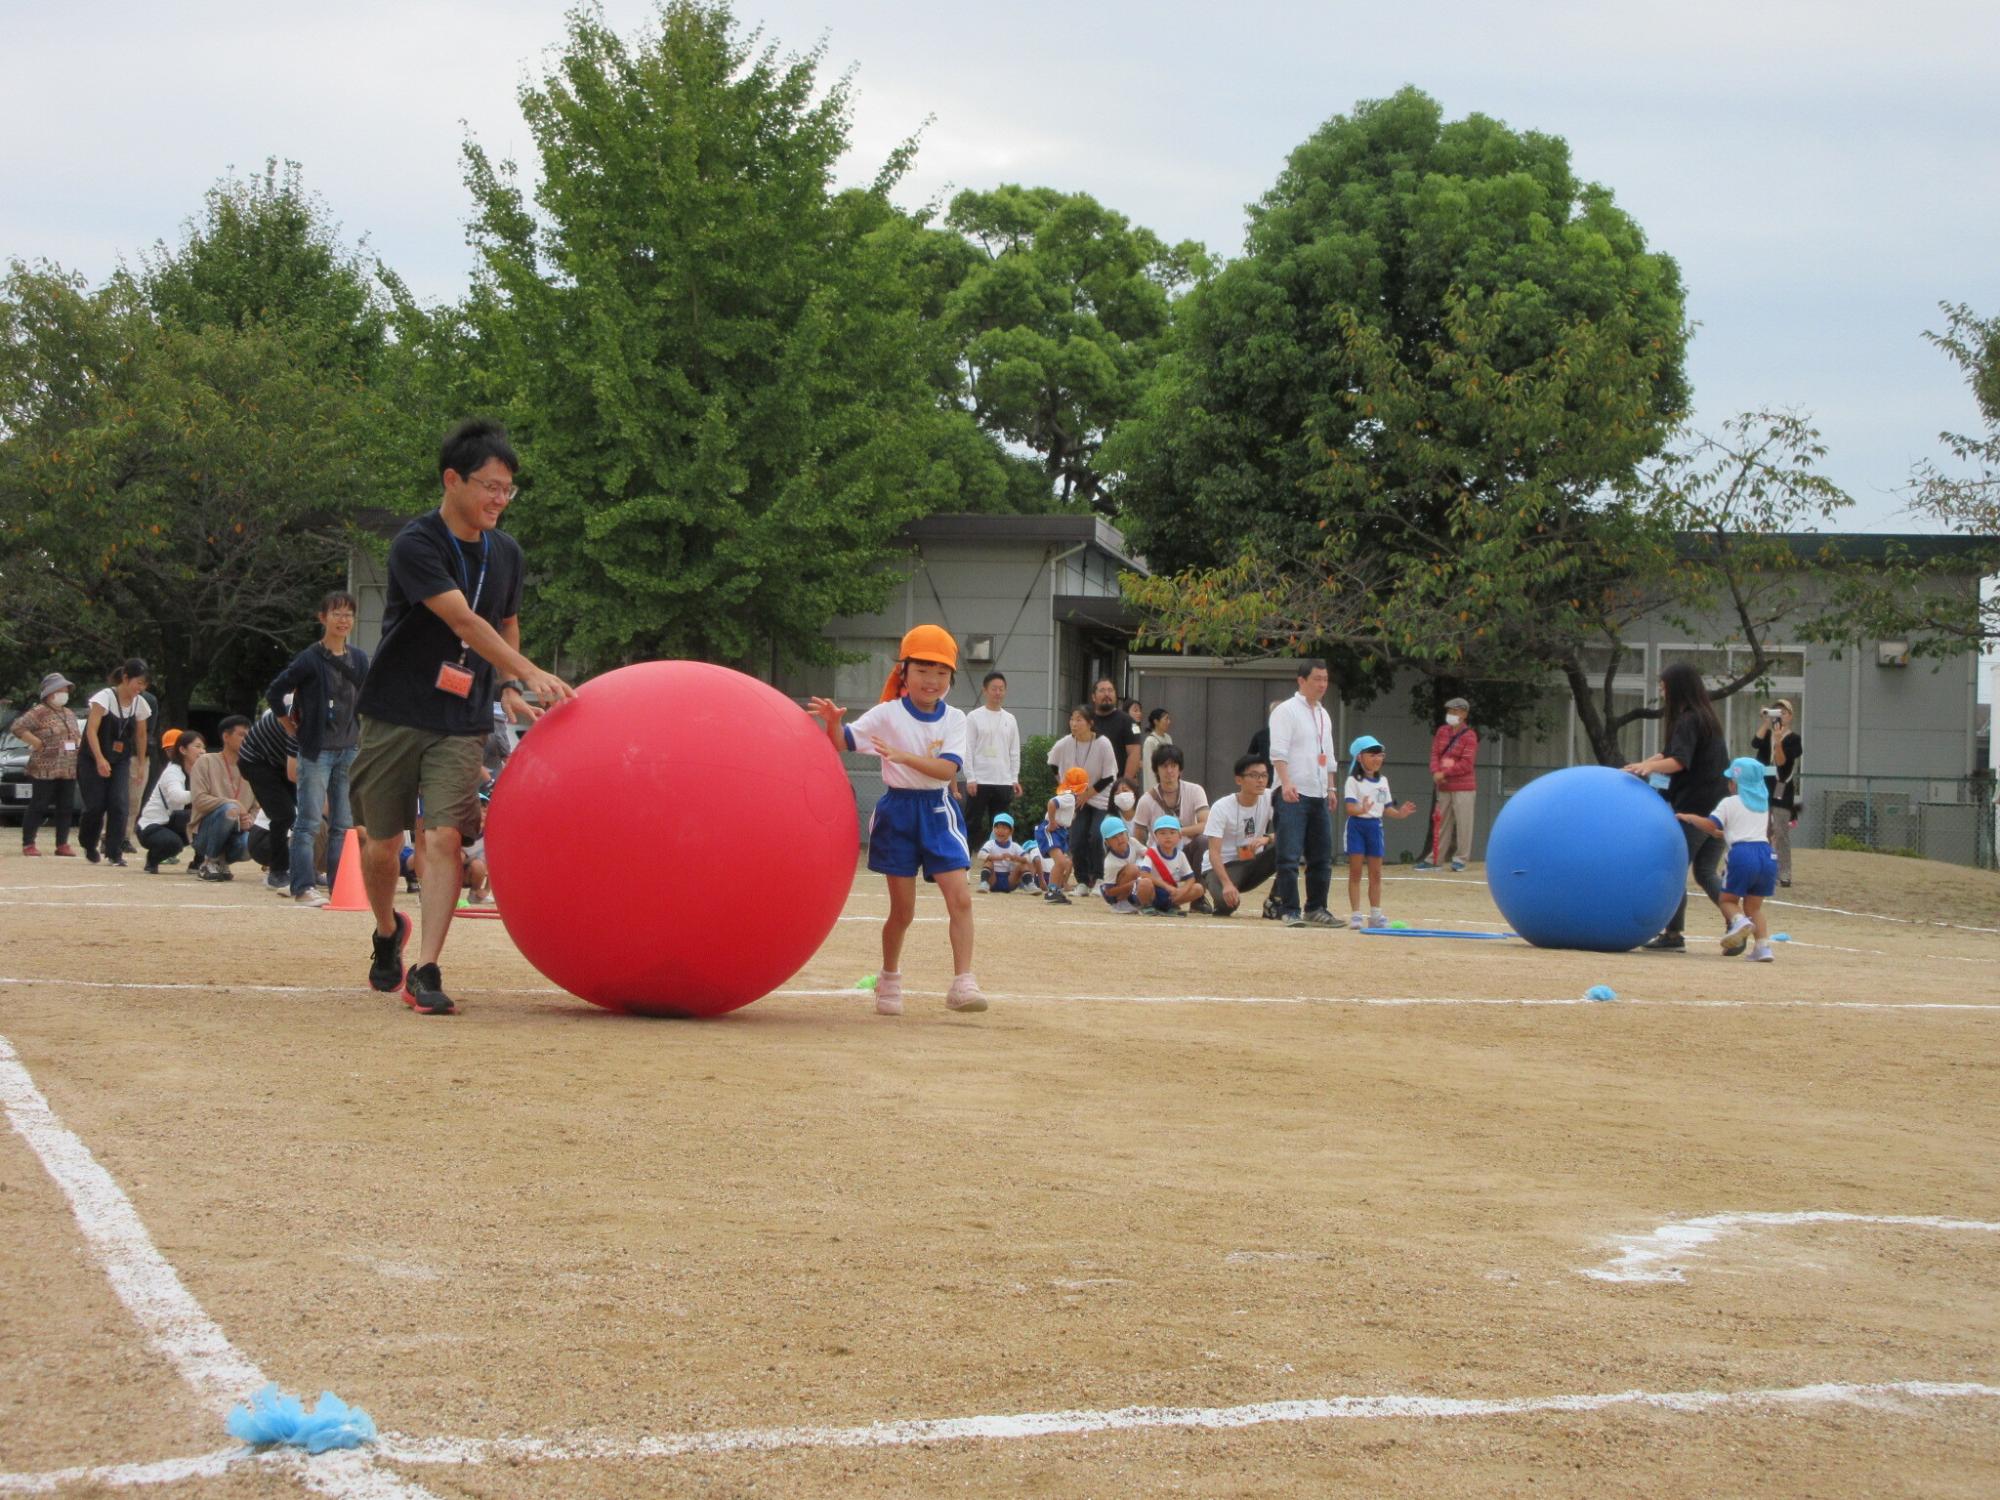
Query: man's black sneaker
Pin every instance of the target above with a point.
(1667, 942)
(90, 854)
(423, 992)
(385, 968)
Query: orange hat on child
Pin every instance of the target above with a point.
(1076, 780)
(931, 643)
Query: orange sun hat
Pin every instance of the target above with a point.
(932, 643)
(1076, 780)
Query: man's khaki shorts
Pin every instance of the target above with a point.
(396, 764)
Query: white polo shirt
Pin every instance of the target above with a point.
(993, 747)
(1302, 737)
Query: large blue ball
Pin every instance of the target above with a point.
(1586, 858)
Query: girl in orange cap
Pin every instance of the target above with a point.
(917, 826)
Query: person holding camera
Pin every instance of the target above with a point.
(1777, 744)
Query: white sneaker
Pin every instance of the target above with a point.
(1378, 920)
(1738, 937)
(964, 994)
(1126, 908)
(888, 994)
(1356, 920)
(310, 896)
(1762, 954)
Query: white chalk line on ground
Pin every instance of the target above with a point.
(166, 1312)
(1650, 1256)
(1014, 996)
(1892, 1397)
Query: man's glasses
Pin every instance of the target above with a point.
(499, 489)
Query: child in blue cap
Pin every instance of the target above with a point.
(1003, 863)
(1367, 800)
(1744, 821)
(1167, 887)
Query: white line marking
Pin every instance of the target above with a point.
(145, 905)
(1649, 1257)
(850, 993)
(1876, 916)
(1889, 1397)
(173, 1322)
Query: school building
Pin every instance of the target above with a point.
(1892, 748)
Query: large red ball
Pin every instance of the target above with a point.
(676, 841)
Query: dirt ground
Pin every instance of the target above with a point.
(1180, 1164)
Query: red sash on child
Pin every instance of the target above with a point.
(1161, 868)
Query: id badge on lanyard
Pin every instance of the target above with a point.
(455, 678)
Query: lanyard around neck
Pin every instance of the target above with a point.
(458, 565)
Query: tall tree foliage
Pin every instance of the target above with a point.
(1064, 315)
(721, 376)
(1422, 388)
(182, 450)
(172, 492)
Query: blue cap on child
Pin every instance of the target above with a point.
(1748, 773)
(1362, 746)
(1007, 818)
(1113, 827)
(1169, 821)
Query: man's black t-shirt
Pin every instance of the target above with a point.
(426, 560)
(1118, 728)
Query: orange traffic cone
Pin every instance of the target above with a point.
(349, 894)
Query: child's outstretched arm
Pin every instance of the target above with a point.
(1700, 820)
(1399, 812)
(830, 713)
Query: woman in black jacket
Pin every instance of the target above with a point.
(1695, 759)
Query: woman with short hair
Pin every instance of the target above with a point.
(114, 740)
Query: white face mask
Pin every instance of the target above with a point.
(1125, 801)
(1454, 720)
(58, 700)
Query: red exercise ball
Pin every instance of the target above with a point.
(677, 841)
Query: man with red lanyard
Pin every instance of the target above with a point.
(1303, 757)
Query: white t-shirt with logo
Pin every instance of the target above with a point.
(1003, 857)
(1367, 798)
(1740, 825)
(1230, 823)
(898, 724)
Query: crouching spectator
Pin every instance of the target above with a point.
(224, 808)
(1003, 863)
(1167, 886)
(1242, 851)
(1120, 884)
(163, 822)
(1184, 801)
(270, 763)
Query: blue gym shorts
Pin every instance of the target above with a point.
(917, 830)
(1364, 836)
(1053, 840)
(1002, 883)
(1753, 871)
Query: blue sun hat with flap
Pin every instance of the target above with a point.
(1748, 773)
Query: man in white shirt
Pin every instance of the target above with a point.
(1242, 853)
(1302, 755)
(992, 759)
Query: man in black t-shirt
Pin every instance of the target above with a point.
(450, 629)
(1778, 745)
(1108, 718)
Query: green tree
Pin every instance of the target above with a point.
(172, 492)
(721, 374)
(1438, 363)
(1064, 315)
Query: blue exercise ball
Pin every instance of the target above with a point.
(1586, 858)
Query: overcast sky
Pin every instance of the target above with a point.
(1824, 172)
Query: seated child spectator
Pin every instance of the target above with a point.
(1368, 801)
(1121, 869)
(1242, 850)
(1003, 864)
(1167, 886)
(1051, 841)
(1744, 821)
